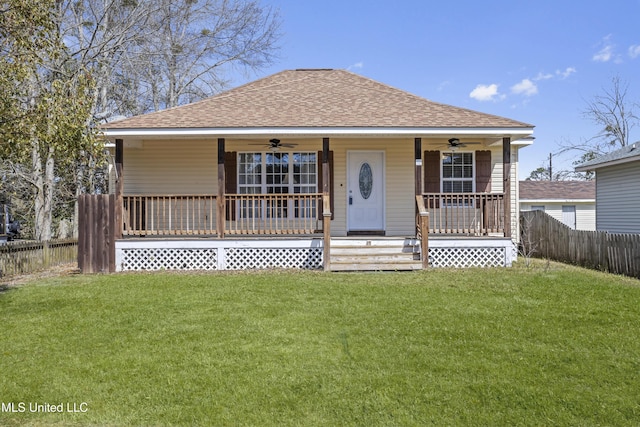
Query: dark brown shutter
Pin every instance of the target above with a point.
(320, 183)
(483, 171)
(231, 180)
(431, 167)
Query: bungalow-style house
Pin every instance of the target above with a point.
(315, 168)
(617, 189)
(570, 202)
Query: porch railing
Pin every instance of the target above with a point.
(273, 213)
(245, 214)
(169, 215)
(471, 214)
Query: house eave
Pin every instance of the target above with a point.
(593, 167)
(313, 132)
(534, 201)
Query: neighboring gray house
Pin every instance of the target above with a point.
(617, 189)
(571, 202)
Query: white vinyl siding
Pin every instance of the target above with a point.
(618, 198)
(171, 167)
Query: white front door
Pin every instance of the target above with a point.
(365, 192)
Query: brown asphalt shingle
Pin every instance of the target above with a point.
(315, 98)
(549, 190)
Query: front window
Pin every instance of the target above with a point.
(457, 173)
(278, 173)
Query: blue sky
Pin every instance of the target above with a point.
(537, 62)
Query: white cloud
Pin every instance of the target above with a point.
(543, 76)
(358, 65)
(605, 54)
(485, 92)
(634, 51)
(566, 73)
(526, 87)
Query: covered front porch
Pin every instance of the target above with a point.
(261, 219)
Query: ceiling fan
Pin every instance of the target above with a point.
(275, 144)
(454, 144)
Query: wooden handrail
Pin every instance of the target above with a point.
(422, 210)
(422, 223)
(326, 232)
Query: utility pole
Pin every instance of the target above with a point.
(550, 167)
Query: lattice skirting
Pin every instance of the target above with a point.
(168, 259)
(467, 257)
(215, 255)
(152, 255)
(500, 253)
(260, 258)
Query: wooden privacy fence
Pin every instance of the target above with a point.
(545, 237)
(27, 257)
(97, 227)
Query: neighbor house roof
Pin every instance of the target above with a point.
(557, 190)
(630, 153)
(317, 98)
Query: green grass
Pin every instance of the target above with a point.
(538, 346)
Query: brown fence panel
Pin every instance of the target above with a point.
(27, 257)
(546, 237)
(96, 233)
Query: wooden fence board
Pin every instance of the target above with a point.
(547, 237)
(96, 232)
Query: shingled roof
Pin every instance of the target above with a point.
(315, 98)
(557, 190)
(629, 153)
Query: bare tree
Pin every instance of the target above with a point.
(99, 35)
(190, 45)
(614, 114)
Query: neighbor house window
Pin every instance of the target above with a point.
(457, 172)
(278, 173)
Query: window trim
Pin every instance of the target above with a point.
(288, 208)
(473, 172)
(290, 173)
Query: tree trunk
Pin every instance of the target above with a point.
(49, 182)
(43, 190)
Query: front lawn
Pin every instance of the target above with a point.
(539, 346)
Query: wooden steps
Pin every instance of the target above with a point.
(375, 254)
